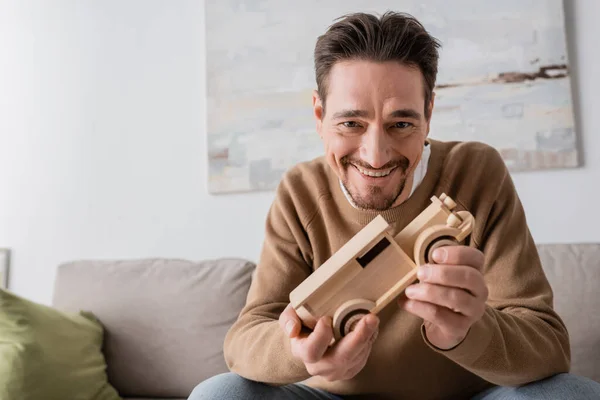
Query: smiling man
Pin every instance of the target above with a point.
(375, 130)
(479, 323)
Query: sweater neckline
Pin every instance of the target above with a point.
(410, 207)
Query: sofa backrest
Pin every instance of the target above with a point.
(574, 273)
(165, 320)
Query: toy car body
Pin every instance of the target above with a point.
(374, 267)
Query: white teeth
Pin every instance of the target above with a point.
(376, 174)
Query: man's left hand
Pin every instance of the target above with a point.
(450, 296)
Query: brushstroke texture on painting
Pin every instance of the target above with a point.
(503, 80)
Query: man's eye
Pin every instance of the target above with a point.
(351, 124)
(402, 125)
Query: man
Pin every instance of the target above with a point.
(478, 323)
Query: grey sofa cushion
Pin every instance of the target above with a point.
(574, 273)
(165, 320)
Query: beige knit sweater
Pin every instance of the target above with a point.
(519, 339)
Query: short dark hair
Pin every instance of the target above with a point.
(393, 37)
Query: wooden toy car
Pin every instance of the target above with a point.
(374, 267)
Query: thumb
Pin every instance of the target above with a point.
(289, 322)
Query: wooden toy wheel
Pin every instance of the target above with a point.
(439, 242)
(348, 314)
(432, 238)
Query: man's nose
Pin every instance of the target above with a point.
(375, 149)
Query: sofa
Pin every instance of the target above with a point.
(165, 319)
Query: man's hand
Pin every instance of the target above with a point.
(451, 295)
(344, 359)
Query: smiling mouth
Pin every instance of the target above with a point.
(374, 174)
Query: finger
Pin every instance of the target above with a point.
(444, 318)
(458, 276)
(312, 348)
(331, 369)
(353, 343)
(290, 322)
(459, 255)
(323, 367)
(366, 350)
(359, 363)
(334, 375)
(402, 299)
(455, 299)
(360, 360)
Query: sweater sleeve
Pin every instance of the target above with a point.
(520, 338)
(256, 347)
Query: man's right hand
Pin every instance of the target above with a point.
(344, 359)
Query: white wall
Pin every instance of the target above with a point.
(102, 152)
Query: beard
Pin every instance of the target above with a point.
(375, 197)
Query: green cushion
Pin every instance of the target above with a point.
(48, 354)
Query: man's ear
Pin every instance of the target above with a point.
(431, 104)
(318, 111)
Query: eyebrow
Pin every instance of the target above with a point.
(350, 114)
(401, 113)
(405, 113)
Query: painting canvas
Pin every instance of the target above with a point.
(503, 80)
(4, 264)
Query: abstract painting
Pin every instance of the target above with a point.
(503, 79)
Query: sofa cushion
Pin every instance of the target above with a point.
(574, 273)
(165, 319)
(48, 354)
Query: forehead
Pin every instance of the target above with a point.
(368, 83)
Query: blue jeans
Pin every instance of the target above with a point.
(230, 386)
